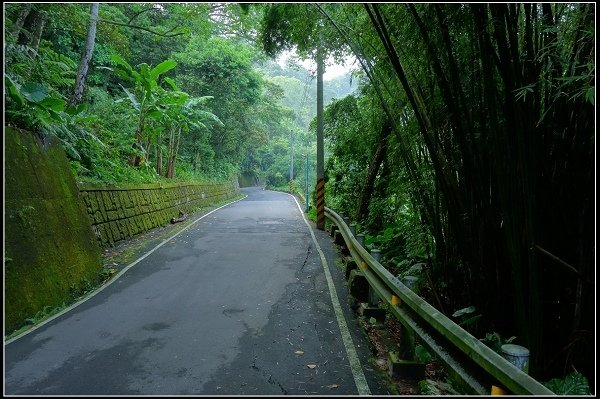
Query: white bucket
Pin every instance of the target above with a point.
(517, 355)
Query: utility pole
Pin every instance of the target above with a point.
(292, 164)
(306, 181)
(320, 148)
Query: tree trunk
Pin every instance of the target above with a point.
(378, 157)
(176, 151)
(158, 156)
(16, 28)
(38, 29)
(174, 148)
(170, 152)
(77, 96)
(195, 160)
(26, 32)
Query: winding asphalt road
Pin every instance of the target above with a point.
(237, 304)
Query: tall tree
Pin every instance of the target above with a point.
(86, 57)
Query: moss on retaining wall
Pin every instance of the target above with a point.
(49, 242)
(122, 212)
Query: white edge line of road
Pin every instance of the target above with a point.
(359, 377)
(116, 277)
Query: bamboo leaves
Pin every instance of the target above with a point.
(500, 103)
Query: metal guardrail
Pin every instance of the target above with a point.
(467, 358)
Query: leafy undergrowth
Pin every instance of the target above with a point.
(434, 379)
(573, 384)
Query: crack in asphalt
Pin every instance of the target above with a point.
(229, 312)
(270, 380)
(292, 297)
(306, 259)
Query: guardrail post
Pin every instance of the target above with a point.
(350, 265)
(361, 239)
(371, 308)
(338, 238)
(332, 230)
(376, 254)
(404, 363)
(407, 336)
(373, 297)
(410, 282)
(358, 286)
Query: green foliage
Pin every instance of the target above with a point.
(422, 355)
(287, 26)
(45, 66)
(144, 83)
(495, 341)
(436, 388)
(312, 214)
(43, 314)
(172, 111)
(465, 317)
(222, 69)
(33, 100)
(153, 119)
(106, 274)
(350, 135)
(32, 107)
(573, 384)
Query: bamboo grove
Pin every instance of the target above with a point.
(473, 139)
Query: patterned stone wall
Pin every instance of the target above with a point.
(119, 213)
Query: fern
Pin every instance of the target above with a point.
(59, 70)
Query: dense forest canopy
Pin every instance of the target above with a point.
(463, 143)
(216, 106)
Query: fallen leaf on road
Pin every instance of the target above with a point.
(299, 352)
(311, 366)
(333, 386)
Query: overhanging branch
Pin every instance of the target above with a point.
(140, 27)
